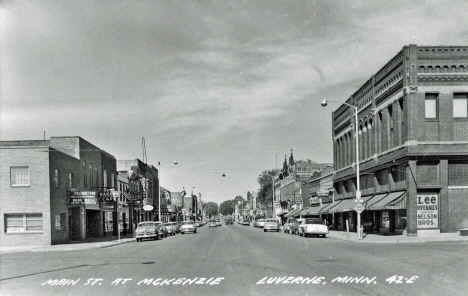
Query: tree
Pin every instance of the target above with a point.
(211, 209)
(227, 207)
(265, 194)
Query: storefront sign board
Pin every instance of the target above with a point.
(428, 210)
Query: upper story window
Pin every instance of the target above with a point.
(112, 180)
(105, 178)
(57, 178)
(19, 176)
(71, 181)
(430, 108)
(460, 106)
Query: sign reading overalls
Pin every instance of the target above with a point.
(428, 210)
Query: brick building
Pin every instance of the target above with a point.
(37, 180)
(413, 145)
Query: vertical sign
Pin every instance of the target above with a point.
(428, 210)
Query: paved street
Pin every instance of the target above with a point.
(234, 260)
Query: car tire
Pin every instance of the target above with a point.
(324, 236)
(181, 232)
(264, 230)
(195, 231)
(137, 240)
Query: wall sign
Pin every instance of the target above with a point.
(428, 210)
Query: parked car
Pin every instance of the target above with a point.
(240, 221)
(176, 226)
(151, 230)
(218, 222)
(188, 226)
(287, 225)
(271, 224)
(170, 228)
(261, 223)
(164, 229)
(254, 223)
(246, 222)
(313, 226)
(294, 226)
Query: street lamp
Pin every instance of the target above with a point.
(358, 188)
(159, 186)
(273, 195)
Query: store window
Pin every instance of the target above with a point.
(385, 220)
(17, 223)
(460, 106)
(400, 219)
(430, 103)
(109, 223)
(19, 176)
(60, 221)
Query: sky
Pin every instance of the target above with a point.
(223, 87)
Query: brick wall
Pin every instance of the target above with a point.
(458, 208)
(32, 199)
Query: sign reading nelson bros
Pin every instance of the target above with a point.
(428, 210)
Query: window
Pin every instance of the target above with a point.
(60, 221)
(19, 176)
(431, 106)
(15, 223)
(112, 180)
(105, 178)
(71, 181)
(57, 178)
(109, 223)
(458, 173)
(460, 106)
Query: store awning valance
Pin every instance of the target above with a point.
(301, 212)
(393, 201)
(330, 206)
(293, 212)
(315, 210)
(346, 205)
(374, 199)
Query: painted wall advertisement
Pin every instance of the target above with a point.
(428, 210)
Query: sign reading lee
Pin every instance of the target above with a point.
(428, 210)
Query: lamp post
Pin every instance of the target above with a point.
(358, 188)
(273, 195)
(159, 186)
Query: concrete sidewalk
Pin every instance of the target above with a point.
(383, 239)
(92, 243)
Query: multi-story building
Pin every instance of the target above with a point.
(292, 187)
(49, 191)
(413, 145)
(142, 195)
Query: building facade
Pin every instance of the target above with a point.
(413, 145)
(49, 191)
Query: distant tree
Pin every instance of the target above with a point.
(265, 194)
(227, 207)
(211, 209)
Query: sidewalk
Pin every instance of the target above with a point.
(90, 243)
(383, 239)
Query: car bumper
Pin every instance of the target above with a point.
(315, 231)
(146, 235)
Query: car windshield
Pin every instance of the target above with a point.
(271, 220)
(188, 223)
(312, 221)
(145, 224)
(262, 220)
(167, 224)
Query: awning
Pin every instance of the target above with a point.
(327, 208)
(301, 212)
(290, 214)
(283, 213)
(346, 205)
(393, 201)
(374, 199)
(315, 210)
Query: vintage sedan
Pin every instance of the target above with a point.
(150, 230)
(188, 226)
(261, 223)
(164, 228)
(287, 225)
(294, 227)
(171, 229)
(313, 226)
(176, 226)
(271, 224)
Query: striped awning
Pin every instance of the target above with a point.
(293, 212)
(374, 199)
(315, 210)
(326, 209)
(393, 201)
(346, 205)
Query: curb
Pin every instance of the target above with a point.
(397, 241)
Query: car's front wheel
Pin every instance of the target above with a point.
(264, 230)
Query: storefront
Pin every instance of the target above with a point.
(390, 212)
